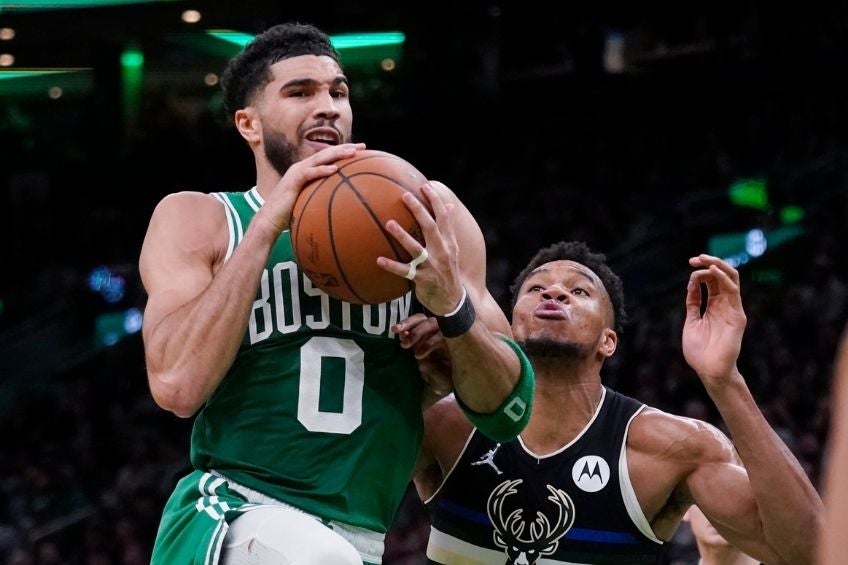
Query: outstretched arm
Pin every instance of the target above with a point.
(783, 511)
(485, 369)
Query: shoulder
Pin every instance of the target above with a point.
(188, 213)
(654, 432)
(663, 451)
(186, 203)
(187, 223)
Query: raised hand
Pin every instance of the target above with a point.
(278, 207)
(437, 282)
(712, 341)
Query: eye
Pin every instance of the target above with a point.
(535, 288)
(339, 93)
(297, 94)
(580, 291)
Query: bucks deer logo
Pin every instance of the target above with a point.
(525, 542)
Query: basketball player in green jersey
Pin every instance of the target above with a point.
(308, 410)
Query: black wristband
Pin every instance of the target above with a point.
(460, 320)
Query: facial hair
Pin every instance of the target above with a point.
(546, 349)
(279, 152)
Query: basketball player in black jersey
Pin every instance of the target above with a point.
(597, 477)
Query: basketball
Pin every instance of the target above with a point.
(338, 227)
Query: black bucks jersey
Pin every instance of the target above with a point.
(502, 504)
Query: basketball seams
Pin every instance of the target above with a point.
(341, 210)
(333, 239)
(396, 247)
(303, 208)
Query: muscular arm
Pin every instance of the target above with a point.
(195, 317)
(675, 462)
(484, 369)
(771, 510)
(786, 506)
(197, 307)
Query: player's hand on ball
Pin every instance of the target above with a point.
(278, 208)
(437, 281)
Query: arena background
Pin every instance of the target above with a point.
(652, 133)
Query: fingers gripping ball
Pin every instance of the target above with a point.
(338, 227)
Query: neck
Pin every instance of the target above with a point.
(267, 178)
(559, 384)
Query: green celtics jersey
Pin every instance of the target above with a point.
(321, 408)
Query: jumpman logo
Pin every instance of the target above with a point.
(489, 459)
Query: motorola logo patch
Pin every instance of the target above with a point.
(590, 473)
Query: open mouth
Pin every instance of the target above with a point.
(327, 136)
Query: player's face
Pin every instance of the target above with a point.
(564, 302)
(304, 109)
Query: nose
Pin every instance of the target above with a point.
(326, 106)
(555, 292)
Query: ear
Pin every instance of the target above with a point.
(609, 341)
(248, 124)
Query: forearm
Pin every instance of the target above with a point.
(788, 503)
(190, 350)
(485, 368)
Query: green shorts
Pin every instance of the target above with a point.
(195, 521)
(197, 517)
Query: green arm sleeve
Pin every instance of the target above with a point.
(511, 417)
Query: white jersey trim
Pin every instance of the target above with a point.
(455, 463)
(634, 510)
(254, 192)
(230, 226)
(254, 200)
(444, 548)
(573, 441)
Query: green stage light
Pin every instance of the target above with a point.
(37, 82)
(31, 5)
(341, 42)
(791, 214)
(365, 51)
(361, 40)
(132, 75)
(749, 193)
(132, 58)
(234, 37)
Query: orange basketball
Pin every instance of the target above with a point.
(338, 227)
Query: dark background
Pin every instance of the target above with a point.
(522, 110)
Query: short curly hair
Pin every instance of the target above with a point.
(249, 71)
(578, 252)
